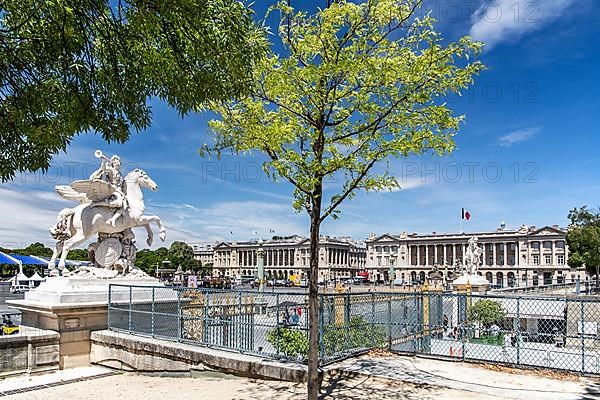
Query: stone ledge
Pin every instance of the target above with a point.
(30, 334)
(146, 354)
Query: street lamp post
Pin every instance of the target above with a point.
(391, 273)
(261, 266)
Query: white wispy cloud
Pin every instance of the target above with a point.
(518, 136)
(407, 183)
(214, 222)
(508, 20)
(27, 215)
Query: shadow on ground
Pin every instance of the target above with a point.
(592, 391)
(344, 386)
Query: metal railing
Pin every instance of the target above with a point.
(534, 331)
(537, 289)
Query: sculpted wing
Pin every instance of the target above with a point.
(68, 193)
(95, 189)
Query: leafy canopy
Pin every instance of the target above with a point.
(180, 253)
(74, 66)
(583, 239)
(486, 312)
(357, 84)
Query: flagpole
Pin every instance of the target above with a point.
(461, 220)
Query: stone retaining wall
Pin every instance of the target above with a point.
(145, 354)
(30, 351)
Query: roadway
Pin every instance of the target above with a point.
(4, 309)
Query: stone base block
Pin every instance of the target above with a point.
(30, 351)
(146, 354)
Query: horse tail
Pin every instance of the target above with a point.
(61, 230)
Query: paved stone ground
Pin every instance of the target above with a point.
(491, 381)
(363, 378)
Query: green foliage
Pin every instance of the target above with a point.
(486, 312)
(497, 340)
(358, 334)
(79, 255)
(336, 338)
(35, 249)
(147, 260)
(74, 66)
(360, 83)
(289, 341)
(583, 239)
(182, 254)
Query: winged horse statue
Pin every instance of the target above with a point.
(109, 205)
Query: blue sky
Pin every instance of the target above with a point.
(527, 153)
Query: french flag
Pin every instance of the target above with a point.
(465, 214)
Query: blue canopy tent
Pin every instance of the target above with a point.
(68, 263)
(29, 260)
(7, 259)
(20, 278)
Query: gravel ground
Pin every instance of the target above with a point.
(218, 386)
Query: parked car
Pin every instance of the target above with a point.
(19, 289)
(398, 282)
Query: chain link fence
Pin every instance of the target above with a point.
(560, 333)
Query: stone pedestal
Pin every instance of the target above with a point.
(74, 307)
(470, 283)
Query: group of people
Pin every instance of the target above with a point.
(292, 319)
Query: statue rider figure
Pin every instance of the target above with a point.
(110, 171)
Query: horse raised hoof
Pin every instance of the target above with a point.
(149, 241)
(163, 236)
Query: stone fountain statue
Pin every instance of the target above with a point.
(473, 256)
(110, 206)
(470, 279)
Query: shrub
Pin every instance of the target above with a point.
(357, 334)
(289, 341)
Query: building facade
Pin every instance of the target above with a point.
(203, 252)
(524, 257)
(284, 257)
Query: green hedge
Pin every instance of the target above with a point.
(359, 333)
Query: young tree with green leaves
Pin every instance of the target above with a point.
(486, 312)
(357, 85)
(583, 239)
(76, 66)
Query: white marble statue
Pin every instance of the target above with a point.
(110, 207)
(473, 256)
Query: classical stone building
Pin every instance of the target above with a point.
(521, 257)
(203, 253)
(285, 256)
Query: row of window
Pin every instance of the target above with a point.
(560, 259)
(534, 245)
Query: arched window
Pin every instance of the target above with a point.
(413, 277)
(489, 277)
(500, 279)
(422, 277)
(511, 279)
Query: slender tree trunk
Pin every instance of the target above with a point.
(313, 299)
